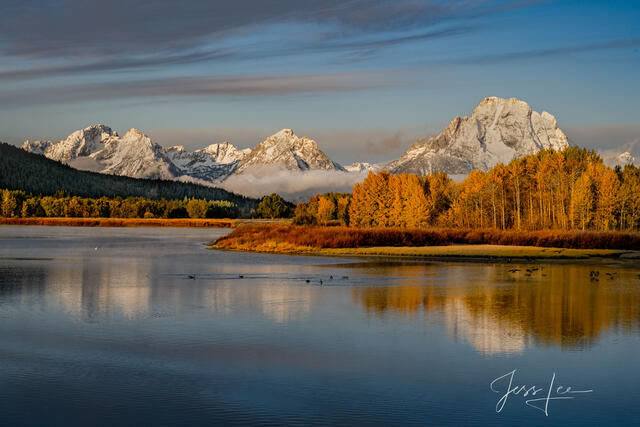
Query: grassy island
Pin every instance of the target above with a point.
(435, 243)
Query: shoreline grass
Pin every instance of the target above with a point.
(450, 252)
(480, 252)
(436, 243)
(249, 236)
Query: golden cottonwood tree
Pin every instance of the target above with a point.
(571, 189)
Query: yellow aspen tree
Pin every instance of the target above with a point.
(608, 187)
(343, 210)
(326, 210)
(356, 207)
(383, 199)
(583, 202)
(416, 211)
(515, 170)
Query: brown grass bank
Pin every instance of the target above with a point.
(294, 239)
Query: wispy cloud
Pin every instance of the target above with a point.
(363, 47)
(548, 52)
(115, 64)
(90, 28)
(88, 36)
(199, 86)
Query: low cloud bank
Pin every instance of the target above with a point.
(293, 186)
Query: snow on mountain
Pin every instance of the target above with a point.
(100, 149)
(625, 159)
(359, 167)
(618, 159)
(36, 147)
(212, 163)
(135, 155)
(285, 150)
(498, 131)
(225, 152)
(82, 142)
(625, 154)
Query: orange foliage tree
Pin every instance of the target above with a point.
(567, 190)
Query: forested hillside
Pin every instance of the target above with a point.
(38, 175)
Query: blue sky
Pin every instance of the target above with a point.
(363, 78)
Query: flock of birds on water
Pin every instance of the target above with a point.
(594, 275)
(528, 272)
(241, 276)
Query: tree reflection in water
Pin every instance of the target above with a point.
(502, 311)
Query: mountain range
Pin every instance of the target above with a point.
(20, 170)
(497, 131)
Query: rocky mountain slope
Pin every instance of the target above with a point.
(80, 143)
(497, 131)
(361, 167)
(287, 151)
(212, 163)
(99, 149)
(618, 159)
(38, 175)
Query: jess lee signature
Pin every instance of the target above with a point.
(538, 397)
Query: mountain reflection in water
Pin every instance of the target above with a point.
(487, 305)
(147, 327)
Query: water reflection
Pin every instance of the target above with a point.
(134, 289)
(492, 308)
(502, 311)
(92, 290)
(124, 335)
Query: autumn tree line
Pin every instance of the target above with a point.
(569, 190)
(20, 204)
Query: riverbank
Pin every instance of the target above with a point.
(451, 252)
(124, 222)
(423, 244)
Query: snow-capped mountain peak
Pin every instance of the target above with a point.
(36, 147)
(224, 152)
(626, 158)
(83, 142)
(284, 133)
(175, 148)
(135, 155)
(286, 150)
(363, 167)
(613, 159)
(134, 134)
(497, 131)
(212, 163)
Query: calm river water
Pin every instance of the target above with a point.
(144, 326)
